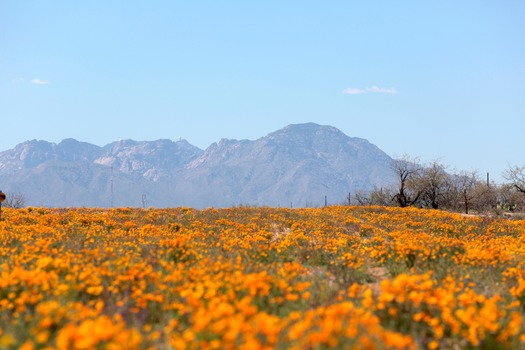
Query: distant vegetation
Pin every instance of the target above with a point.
(14, 200)
(426, 186)
(337, 277)
(434, 186)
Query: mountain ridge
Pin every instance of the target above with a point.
(300, 163)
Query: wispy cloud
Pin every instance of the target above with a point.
(372, 89)
(37, 81)
(353, 91)
(381, 90)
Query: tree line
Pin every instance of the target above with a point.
(433, 186)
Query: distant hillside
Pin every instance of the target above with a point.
(298, 165)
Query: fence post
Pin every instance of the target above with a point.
(2, 198)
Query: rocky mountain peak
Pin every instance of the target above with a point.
(300, 164)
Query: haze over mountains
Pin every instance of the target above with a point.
(295, 166)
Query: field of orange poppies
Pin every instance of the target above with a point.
(260, 278)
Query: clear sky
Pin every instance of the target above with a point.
(439, 80)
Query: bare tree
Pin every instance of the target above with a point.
(406, 170)
(380, 196)
(15, 200)
(362, 198)
(509, 198)
(433, 183)
(516, 175)
(463, 185)
(485, 196)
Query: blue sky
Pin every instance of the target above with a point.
(441, 80)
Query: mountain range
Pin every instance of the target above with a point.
(299, 165)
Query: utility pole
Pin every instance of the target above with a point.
(325, 201)
(111, 186)
(144, 201)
